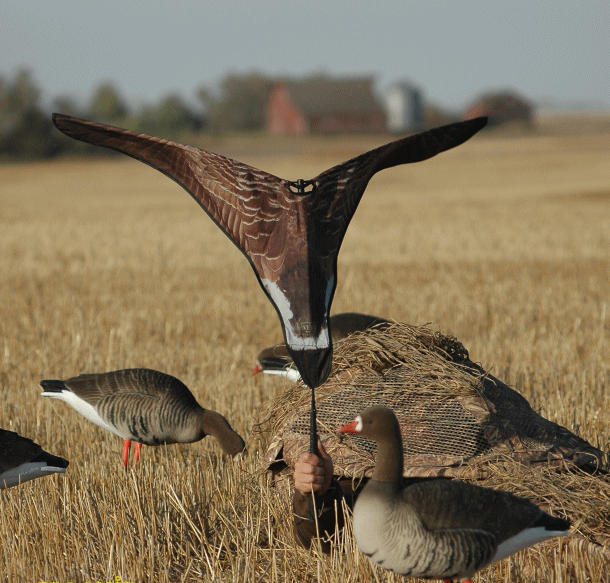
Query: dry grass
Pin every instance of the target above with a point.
(503, 242)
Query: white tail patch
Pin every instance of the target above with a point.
(526, 538)
(84, 408)
(27, 472)
(288, 372)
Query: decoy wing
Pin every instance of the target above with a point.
(290, 232)
(21, 460)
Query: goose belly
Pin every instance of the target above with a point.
(388, 542)
(85, 409)
(396, 540)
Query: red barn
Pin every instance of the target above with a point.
(324, 105)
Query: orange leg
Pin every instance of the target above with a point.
(137, 447)
(126, 447)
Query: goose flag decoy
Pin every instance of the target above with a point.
(290, 232)
(145, 406)
(275, 360)
(22, 460)
(436, 528)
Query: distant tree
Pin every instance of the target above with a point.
(240, 104)
(107, 105)
(25, 130)
(169, 118)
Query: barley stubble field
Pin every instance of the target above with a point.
(503, 242)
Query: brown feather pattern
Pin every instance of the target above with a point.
(291, 239)
(149, 407)
(436, 528)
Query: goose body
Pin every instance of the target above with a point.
(437, 528)
(145, 406)
(21, 460)
(290, 232)
(276, 360)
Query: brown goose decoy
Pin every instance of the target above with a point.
(276, 360)
(22, 460)
(145, 406)
(437, 528)
(290, 232)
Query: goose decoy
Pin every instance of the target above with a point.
(22, 460)
(290, 232)
(436, 528)
(276, 360)
(145, 406)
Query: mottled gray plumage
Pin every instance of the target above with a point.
(145, 406)
(21, 459)
(437, 528)
(290, 232)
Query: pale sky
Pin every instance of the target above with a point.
(555, 50)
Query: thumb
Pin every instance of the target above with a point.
(322, 450)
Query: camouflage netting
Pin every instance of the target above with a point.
(456, 421)
(455, 418)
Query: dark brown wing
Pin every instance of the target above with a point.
(291, 239)
(133, 382)
(448, 504)
(246, 203)
(340, 188)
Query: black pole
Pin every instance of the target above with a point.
(313, 447)
(298, 187)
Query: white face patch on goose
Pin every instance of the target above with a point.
(358, 421)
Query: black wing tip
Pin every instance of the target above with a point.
(275, 362)
(53, 385)
(479, 122)
(471, 126)
(553, 523)
(51, 460)
(56, 118)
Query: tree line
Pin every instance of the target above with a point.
(27, 133)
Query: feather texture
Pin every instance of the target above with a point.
(145, 406)
(291, 236)
(437, 528)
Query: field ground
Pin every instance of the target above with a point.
(503, 242)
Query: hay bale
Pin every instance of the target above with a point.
(457, 421)
(455, 418)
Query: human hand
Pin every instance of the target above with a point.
(313, 473)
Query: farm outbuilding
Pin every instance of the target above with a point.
(324, 105)
(405, 107)
(502, 107)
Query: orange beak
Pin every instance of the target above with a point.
(349, 428)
